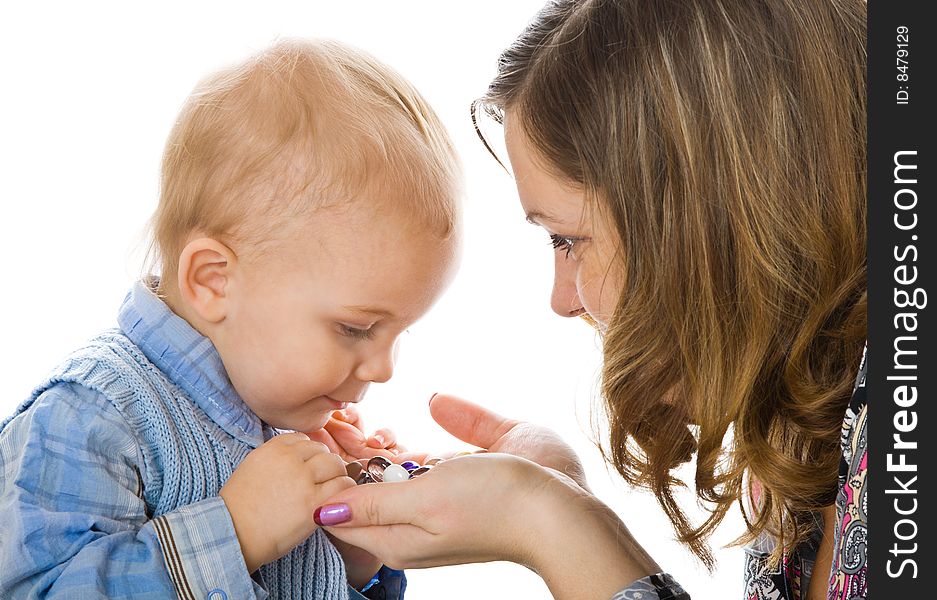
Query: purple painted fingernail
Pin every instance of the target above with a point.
(332, 514)
(433, 396)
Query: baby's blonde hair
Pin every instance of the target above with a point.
(301, 125)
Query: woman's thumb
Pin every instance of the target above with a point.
(468, 421)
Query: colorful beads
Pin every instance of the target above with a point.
(354, 470)
(376, 468)
(381, 470)
(395, 473)
(420, 471)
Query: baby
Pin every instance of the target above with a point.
(308, 215)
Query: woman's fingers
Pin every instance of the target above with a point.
(374, 504)
(481, 427)
(388, 521)
(400, 546)
(471, 509)
(468, 421)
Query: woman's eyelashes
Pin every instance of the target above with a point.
(562, 242)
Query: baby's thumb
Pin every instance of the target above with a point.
(468, 421)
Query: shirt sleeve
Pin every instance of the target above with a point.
(76, 524)
(653, 587)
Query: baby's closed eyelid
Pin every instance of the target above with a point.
(355, 332)
(354, 325)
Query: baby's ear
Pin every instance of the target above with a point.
(205, 268)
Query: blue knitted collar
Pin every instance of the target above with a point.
(188, 358)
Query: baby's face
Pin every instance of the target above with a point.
(313, 322)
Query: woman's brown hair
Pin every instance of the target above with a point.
(725, 141)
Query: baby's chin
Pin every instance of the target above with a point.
(307, 423)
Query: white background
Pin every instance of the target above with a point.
(89, 93)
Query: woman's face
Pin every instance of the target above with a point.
(584, 244)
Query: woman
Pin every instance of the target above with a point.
(700, 168)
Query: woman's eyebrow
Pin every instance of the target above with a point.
(535, 216)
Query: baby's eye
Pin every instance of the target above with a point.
(561, 242)
(356, 333)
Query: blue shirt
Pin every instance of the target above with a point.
(95, 500)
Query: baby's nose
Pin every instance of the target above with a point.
(378, 367)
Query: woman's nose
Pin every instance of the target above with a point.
(565, 298)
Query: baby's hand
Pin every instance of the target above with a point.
(344, 435)
(272, 495)
(360, 565)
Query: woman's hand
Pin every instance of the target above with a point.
(474, 508)
(485, 429)
(487, 507)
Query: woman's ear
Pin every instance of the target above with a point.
(205, 269)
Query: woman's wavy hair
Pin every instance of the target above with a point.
(725, 140)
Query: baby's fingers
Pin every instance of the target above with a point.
(324, 437)
(325, 490)
(345, 434)
(349, 415)
(383, 438)
(351, 442)
(325, 467)
(306, 448)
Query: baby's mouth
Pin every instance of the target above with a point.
(339, 405)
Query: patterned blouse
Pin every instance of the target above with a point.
(791, 579)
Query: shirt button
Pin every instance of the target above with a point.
(217, 594)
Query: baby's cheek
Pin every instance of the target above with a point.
(267, 386)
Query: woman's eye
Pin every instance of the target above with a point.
(356, 332)
(560, 242)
